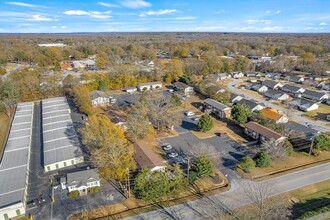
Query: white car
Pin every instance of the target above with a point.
(167, 147)
(189, 113)
(172, 155)
(195, 119)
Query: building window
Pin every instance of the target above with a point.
(6, 216)
(56, 165)
(72, 162)
(64, 164)
(18, 212)
(48, 168)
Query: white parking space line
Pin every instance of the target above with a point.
(10, 139)
(22, 148)
(66, 146)
(57, 128)
(24, 129)
(56, 116)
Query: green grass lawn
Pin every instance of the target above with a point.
(4, 125)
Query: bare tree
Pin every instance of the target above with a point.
(265, 206)
(137, 125)
(160, 111)
(275, 150)
(201, 148)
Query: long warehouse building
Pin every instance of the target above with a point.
(14, 166)
(61, 146)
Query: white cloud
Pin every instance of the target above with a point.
(109, 5)
(323, 24)
(92, 14)
(40, 18)
(258, 21)
(157, 13)
(185, 18)
(267, 12)
(24, 4)
(277, 12)
(135, 3)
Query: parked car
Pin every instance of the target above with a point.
(167, 147)
(189, 113)
(172, 155)
(171, 90)
(195, 119)
(221, 134)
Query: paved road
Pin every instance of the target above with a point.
(295, 114)
(236, 197)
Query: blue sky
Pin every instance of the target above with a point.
(31, 16)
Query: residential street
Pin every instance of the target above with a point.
(17, 67)
(295, 114)
(236, 197)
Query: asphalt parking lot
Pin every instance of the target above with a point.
(225, 152)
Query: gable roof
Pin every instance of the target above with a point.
(271, 114)
(145, 156)
(150, 83)
(97, 93)
(295, 78)
(216, 104)
(234, 96)
(264, 131)
(304, 102)
(82, 177)
(181, 85)
(314, 93)
(270, 83)
(271, 92)
(248, 103)
(292, 126)
(291, 88)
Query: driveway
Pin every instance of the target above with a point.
(296, 115)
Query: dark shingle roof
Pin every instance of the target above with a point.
(271, 92)
(314, 93)
(269, 83)
(216, 104)
(291, 88)
(82, 177)
(248, 103)
(292, 126)
(97, 93)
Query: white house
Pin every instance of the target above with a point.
(80, 64)
(81, 181)
(274, 76)
(272, 84)
(99, 98)
(149, 86)
(237, 75)
(305, 105)
(130, 90)
(259, 87)
(276, 95)
(292, 89)
(250, 104)
(235, 98)
(184, 88)
(318, 96)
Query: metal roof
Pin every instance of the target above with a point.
(14, 164)
(59, 136)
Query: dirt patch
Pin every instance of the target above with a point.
(4, 126)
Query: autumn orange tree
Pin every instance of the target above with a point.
(82, 99)
(110, 151)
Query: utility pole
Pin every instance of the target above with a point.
(128, 185)
(311, 147)
(188, 167)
